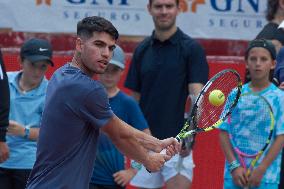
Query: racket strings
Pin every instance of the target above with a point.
(208, 114)
(250, 124)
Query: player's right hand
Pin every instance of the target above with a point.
(156, 161)
(240, 177)
(171, 145)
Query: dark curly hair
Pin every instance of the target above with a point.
(88, 25)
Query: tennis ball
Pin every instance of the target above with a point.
(216, 97)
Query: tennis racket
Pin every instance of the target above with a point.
(251, 130)
(205, 116)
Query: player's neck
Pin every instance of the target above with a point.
(258, 85)
(76, 62)
(163, 35)
(112, 91)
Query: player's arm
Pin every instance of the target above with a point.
(123, 177)
(239, 173)
(136, 144)
(273, 151)
(195, 88)
(226, 146)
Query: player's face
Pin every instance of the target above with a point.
(34, 72)
(164, 13)
(111, 76)
(95, 52)
(259, 63)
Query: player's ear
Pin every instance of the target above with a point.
(246, 63)
(79, 44)
(149, 8)
(273, 64)
(20, 61)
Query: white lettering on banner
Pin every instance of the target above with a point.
(235, 23)
(226, 19)
(110, 15)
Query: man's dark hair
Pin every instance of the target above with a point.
(88, 25)
(272, 6)
(151, 1)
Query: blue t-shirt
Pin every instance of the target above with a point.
(76, 108)
(109, 160)
(161, 72)
(26, 109)
(276, 99)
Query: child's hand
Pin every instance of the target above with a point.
(281, 86)
(239, 177)
(256, 176)
(15, 128)
(123, 177)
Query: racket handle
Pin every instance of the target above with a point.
(162, 152)
(179, 163)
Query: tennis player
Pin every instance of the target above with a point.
(77, 109)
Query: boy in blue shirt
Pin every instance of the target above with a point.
(260, 60)
(109, 165)
(27, 93)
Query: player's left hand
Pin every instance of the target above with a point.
(256, 176)
(171, 145)
(123, 177)
(15, 128)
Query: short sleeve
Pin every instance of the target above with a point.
(97, 109)
(133, 80)
(197, 64)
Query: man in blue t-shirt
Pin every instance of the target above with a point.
(166, 67)
(109, 171)
(77, 109)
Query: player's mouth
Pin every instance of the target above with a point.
(103, 64)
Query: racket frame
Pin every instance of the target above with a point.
(185, 132)
(241, 155)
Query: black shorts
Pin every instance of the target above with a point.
(14, 178)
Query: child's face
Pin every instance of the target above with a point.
(111, 76)
(259, 63)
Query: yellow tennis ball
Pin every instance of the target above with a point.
(216, 97)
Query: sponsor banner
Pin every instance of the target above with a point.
(215, 19)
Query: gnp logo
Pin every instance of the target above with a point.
(184, 4)
(217, 5)
(39, 2)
